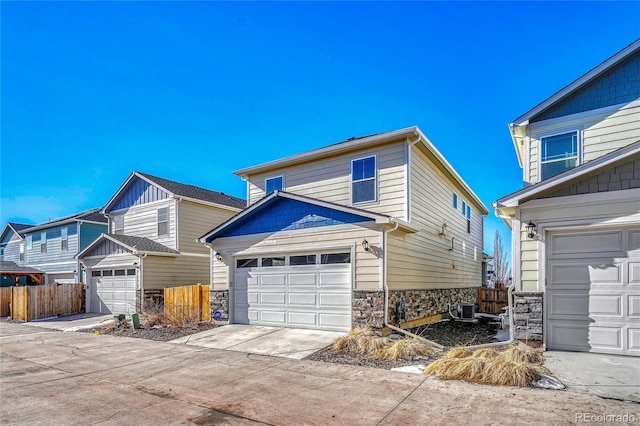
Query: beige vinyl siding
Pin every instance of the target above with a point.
(194, 220)
(368, 265)
(162, 271)
(142, 221)
(596, 209)
(113, 261)
(602, 133)
(423, 260)
(329, 179)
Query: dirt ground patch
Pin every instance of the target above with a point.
(159, 333)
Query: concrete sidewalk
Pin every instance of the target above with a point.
(73, 322)
(48, 377)
(274, 341)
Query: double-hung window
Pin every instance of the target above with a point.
(43, 242)
(558, 153)
(29, 242)
(117, 224)
(21, 252)
(163, 221)
(363, 180)
(275, 183)
(64, 239)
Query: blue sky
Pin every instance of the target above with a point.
(191, 91)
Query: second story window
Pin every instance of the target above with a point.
(468, 219)
(21, 252)
(455, 201)
(43, 242)
(29, 242)
(558, 153)
(163, 221)
(64, 240)
(117, 225)
(273, 184)
(363, 180)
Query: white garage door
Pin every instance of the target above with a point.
(300, 291)
(113, 291)
(593, 291)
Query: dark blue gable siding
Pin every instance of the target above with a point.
(619, 85)
(138, 192)
(285, 214)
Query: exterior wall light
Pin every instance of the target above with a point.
(218, 257)
(531, 229)
(365, 245)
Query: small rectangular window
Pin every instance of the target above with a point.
(29, 242)
(117, 225)
(468, 226)
(559, 153)
(247, 263)
(273, 184)
(163, 221)
(273, 261)
(119, 272)
(331, 258)
(455, 201)
(468, 212)
(21, 252)
(464, 208)
(363, 180)
(2, 251)
(131, 271)
(64, 239)
(43, 242)
(96, 273)
(107, 273)
(302, 260)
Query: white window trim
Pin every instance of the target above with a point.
(113, 223)
(375, 179)
(43, 242)
(539, 138)
(29, 242)
(66, 238)
(270, 178)
(158, 222)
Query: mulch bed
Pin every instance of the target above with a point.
(158, 333)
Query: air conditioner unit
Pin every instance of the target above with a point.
(466, 311)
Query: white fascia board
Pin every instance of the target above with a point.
(429, 145)
(584, 199)
(90, 246)
(207, 203)
(331, 149)
(577, 84)
(115, 195)
(513, 200)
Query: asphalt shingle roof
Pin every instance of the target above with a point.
(196, 192)
(18, 227)
(142, 244)
(7, 267)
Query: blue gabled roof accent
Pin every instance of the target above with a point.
(285, 214)
(138, 192)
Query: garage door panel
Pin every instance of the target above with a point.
(328, 300)
(303, 299)
(593, 291)
(582, 243)
(278, 298)
(606, 305)
(633, 303)
(633, 334)
(113, 294)
(307, 280)
(634, 273)
(273, 280)
(602, 337)
(306, 296)
(303, 319)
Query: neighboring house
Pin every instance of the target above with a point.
(12, 250)
(327, 230)
(51, 247)
(151, 242)
(576, 223)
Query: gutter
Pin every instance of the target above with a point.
(386, 293)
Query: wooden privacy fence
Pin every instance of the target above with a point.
(187, 303)
(5, 301)
(491, 300)
(44, 301)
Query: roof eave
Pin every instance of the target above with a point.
(327, 150)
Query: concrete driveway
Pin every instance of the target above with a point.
(48, 377)
(609, 376)
(274, 341)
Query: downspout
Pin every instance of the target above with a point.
(177, 226)
(386, 293)
(140, 280)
